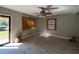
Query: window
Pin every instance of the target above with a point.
(51, 24)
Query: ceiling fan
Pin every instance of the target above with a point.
(46, 10)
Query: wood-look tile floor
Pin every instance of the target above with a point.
(42, 45)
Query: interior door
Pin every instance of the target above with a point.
(4, 29)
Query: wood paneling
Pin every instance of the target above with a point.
(28, 23)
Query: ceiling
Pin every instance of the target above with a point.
(32, 9)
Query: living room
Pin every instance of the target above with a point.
(41, 29)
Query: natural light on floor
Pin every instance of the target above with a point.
(11, 46)
(45, 34)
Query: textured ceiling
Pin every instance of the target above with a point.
(32, 9)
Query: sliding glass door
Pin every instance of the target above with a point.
(4, 29)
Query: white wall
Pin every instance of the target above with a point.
(67, 26)
(16, 21)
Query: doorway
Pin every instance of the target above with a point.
(4, 29)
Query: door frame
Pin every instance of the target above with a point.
(9, 28)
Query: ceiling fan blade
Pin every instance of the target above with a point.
(42, 8)
(53, 8)
(49, 6)
(48, 13)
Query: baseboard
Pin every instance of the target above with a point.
(61, 37)
(28, 35)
